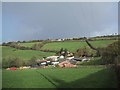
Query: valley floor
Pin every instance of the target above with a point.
(81, 77)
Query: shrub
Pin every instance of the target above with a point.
(12, 61)
(32, 61)
(111, 53)
(85, 52)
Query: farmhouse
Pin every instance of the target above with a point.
(61, 61)
(69, 58)
(53, 58)
(58, 40)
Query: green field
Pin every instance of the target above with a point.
(28, 54)
(81, 77)
(74, 45)
(23, 54)
(28, 44)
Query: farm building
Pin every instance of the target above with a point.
(66, 64)
(53, 58)
(12, 68)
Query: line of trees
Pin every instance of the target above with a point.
(36, 46)
(16, 45)
(17, 62)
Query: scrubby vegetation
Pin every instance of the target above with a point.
(85, 51)
(111, 54)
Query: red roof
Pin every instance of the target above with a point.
(13, 68)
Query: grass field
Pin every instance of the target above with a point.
(73, 46)
(28, 54)
(28, 44)
(81, 77)
(23, 54)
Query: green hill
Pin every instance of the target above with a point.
(70, 45)
(23, 54)
(28, 44)
(74, 45)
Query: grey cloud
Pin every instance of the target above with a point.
(60, 20)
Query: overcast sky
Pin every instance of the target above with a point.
(28, 21)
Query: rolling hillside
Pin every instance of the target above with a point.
(74, 45)
(23, 54)
(28, 44)
(70, 45)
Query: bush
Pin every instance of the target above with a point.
(12, 61)
(39, 45)
(5, 63)
(85, 52)
(111, 53)
(32, 61)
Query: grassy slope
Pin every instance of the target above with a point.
(73, 46)
(82, 77)
(23, 54)
(28, 44)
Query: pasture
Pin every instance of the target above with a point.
(28, 44)
(81, 77)
(23, 54)
(74, 45)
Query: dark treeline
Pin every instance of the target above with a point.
(105, 37)
(30, 41)
(16, 45)
(36, 46)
